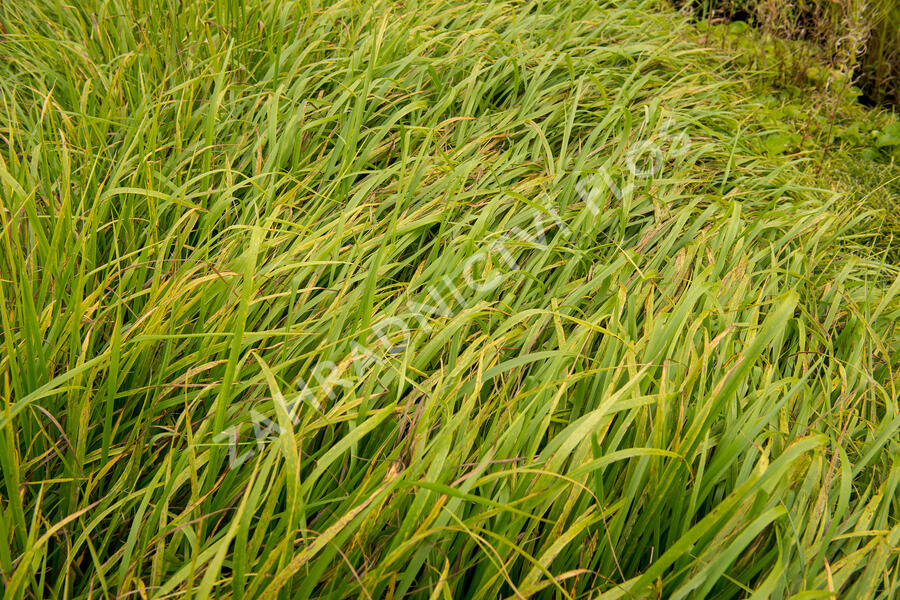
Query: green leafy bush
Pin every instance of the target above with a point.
(857, 36)
(879, 67)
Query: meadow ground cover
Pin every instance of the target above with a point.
(429, 299)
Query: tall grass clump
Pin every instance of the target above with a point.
(430, 299)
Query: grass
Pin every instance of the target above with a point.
(816, 116)
(373, 243)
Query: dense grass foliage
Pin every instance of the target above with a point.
(522, 378)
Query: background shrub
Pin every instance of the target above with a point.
(858, 36)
